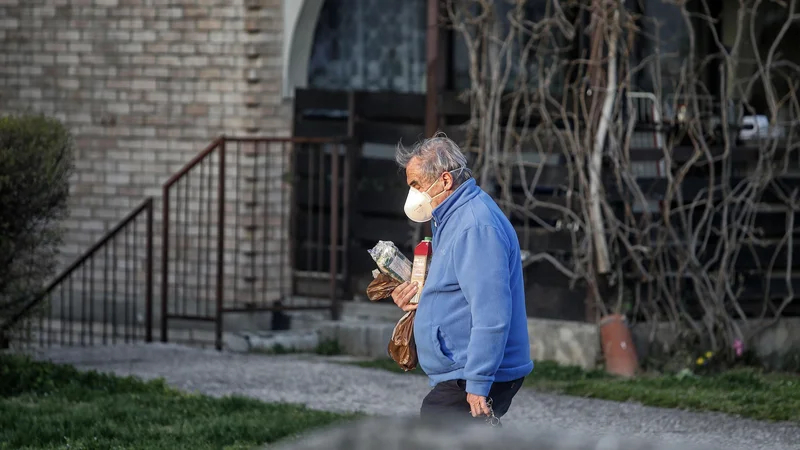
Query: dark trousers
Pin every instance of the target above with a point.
(449, 398)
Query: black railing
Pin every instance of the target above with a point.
(228, 223)
(105, 297)
(248, 225)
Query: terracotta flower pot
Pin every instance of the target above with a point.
(617, 343)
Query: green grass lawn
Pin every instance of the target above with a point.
(48, 406)
(743, 392)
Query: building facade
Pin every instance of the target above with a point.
(145, 85)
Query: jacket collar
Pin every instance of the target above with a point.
(464, 193)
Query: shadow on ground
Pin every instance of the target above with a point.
(412, 433)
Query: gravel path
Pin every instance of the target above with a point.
(322, 384)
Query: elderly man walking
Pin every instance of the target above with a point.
(470, 328)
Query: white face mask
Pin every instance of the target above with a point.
(418, 205)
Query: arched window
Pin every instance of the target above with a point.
(371, 45)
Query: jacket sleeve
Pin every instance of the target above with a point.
(482, 270)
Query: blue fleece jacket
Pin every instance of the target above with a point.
(471, 322)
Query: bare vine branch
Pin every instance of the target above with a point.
(644, 120)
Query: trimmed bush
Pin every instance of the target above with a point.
(36, 161)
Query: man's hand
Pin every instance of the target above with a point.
(403, 294)
(477, 405)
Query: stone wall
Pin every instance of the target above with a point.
(144, 85)
(365, 329)
(775, 344)
(565, 342)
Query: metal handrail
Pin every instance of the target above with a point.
(215, 154)
(193, 162)
(657, 116)
(177, 176)
(147, 207)
(337, 170)
(165, 225)
(288, 140)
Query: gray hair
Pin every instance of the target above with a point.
(438, 154)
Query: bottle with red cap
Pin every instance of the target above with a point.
(419, 269)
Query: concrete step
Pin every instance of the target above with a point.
(355, 338)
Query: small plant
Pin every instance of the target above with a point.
(329, 347)
(280, 349)
(738, 348)
(706, 362)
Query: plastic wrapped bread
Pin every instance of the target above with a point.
(391, 261)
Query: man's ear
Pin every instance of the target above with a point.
(447, 181)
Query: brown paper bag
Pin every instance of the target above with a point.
(402, 347)
(381, 287)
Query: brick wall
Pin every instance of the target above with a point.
(144, 85)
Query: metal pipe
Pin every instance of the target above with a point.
(149, 274)
(334, 251)
(291, 236)
(220, 244)
(164, 262)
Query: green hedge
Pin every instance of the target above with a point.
(36, 161)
